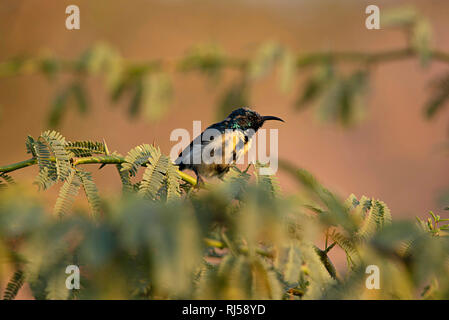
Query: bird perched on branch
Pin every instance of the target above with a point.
(220, 145)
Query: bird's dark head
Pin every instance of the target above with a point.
(245, 118)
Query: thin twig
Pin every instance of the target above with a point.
(27, 66)
(110, 159)
(221, 245)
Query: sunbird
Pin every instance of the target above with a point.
(226, 142)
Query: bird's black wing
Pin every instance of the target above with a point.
(187, 152)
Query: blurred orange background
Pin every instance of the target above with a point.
(394, 155)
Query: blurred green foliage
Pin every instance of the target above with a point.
(337, 92)
(239, 239)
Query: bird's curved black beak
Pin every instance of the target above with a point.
(265, 118)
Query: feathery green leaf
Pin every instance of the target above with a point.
(67, 194)
(91, 192)
(14, 285)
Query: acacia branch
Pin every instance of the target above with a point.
(26, 66)
(244, 250)
(327, 263)
(106, 159)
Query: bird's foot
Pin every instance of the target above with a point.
(199, 182)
